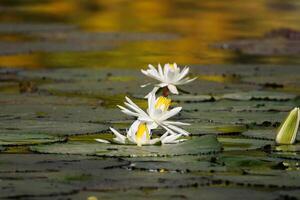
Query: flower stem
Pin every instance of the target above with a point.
(166, 91)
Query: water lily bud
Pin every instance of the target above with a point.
(288, 129)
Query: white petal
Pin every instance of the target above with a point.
(162, 85)
(166, 115)
(178, 130)
(136, 106)
(177, 123)
(102, 141)
(173, 89)
(183, 73)
(128, 112)
(185, 81)
(145, 85)
(145, 72)
(139, 111)
(171, 139)
(164, 135)
(160, 71)
(151, 103)
(155, 89)
(134, 127)
(119, 137)
(153, 141)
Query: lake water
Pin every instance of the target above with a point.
(132, 34)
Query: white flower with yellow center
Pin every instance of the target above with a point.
(157, 114)
(170, 76)
(140, 134)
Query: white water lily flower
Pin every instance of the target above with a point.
(170, 76)
(288, 129)
(140, 134)
(157, 114)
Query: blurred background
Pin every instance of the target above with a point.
(132, 34)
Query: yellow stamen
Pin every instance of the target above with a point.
(142, 130)
(172, 66)
(162, 103)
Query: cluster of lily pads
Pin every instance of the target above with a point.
(158, 112)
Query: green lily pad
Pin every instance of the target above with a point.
(287, 148)
(265, 134)
(202, 128)
(192, 98)
(203, 192)
(178, 163)
(233, 144)
(252, 119)
(37, 176)
(283, 180)
(240, 106)
(260, 95)
(63, 113)
(194, 146)
(205, 164)
(24, 127)
(10, 139)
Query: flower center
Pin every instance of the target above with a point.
(142, 132)
(162, 103)
(171, 67)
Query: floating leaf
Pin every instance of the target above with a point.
(260, 95)
(233, 144)
(194, 146)
(23, 127)
(264, 134)
(202, 128)
(184, 163)
(10, 139)
(192, 192)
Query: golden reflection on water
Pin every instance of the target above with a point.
(199, 24)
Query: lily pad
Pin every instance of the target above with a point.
(265, 134)
(260, 95)
(11, 139)
(178, 163)
(287, 148)
(284, 180)
(37, 176)
(192, 98)
(240, 106)
(203, 128)
(233, 144)
(195, 146)
(203, 192)
(24, 127)
(263, 119)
